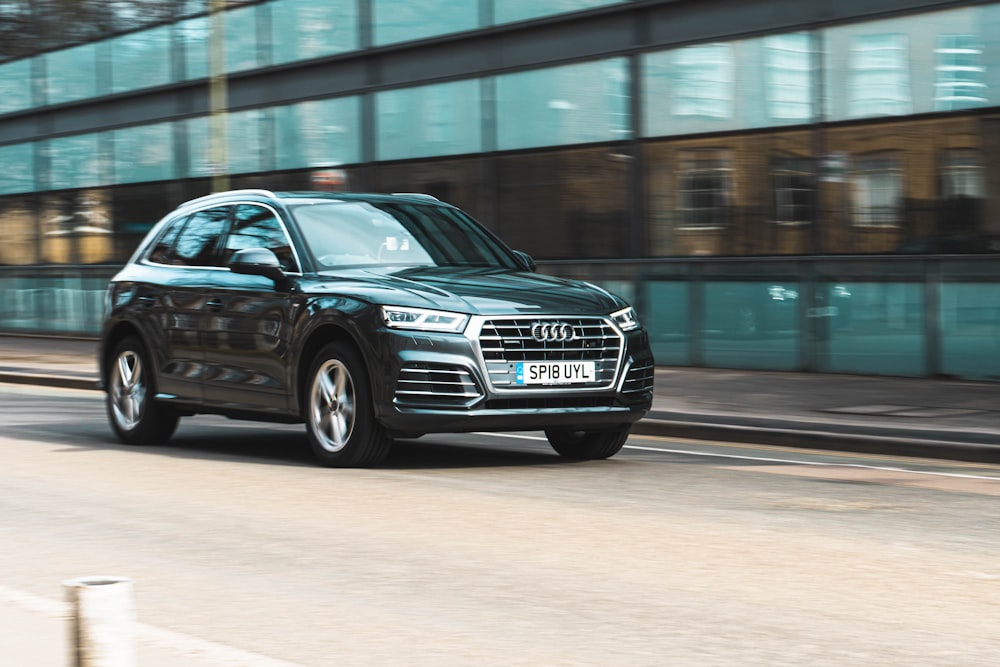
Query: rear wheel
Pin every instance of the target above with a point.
(135, 417)
(588, 445)
(340, 419)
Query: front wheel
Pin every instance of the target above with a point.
(588, 445)
(340, 419)
(135, 417)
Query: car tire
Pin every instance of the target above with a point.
(135, 416)
(340, 419)
(588, 445)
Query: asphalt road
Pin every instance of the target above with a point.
(490, 550)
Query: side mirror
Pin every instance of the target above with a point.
(526, 260)
(258, 262)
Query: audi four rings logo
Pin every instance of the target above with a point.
(552, 331)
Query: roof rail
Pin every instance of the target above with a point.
(229, 193)
(415, 194)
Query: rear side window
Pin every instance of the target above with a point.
(194, 243)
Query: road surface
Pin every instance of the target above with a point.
(485, 549)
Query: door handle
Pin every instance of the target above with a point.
(145, 301)
(214, 305)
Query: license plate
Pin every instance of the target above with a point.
(555, 372)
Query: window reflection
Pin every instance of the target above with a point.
(960, 73)
(706, 189)
(788, 76)
(704, 81)
(880, 79)
(878, 190)
(794, 189)
(258, 227)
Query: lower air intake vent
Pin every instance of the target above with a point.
(432, 385)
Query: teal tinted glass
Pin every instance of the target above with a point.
(877, 329)
(442, 119)
(405, 20)
(141, 59)
(506, 11)
(302, 29)
(751, 324)
(970, 330)
(15, 85)
(192, 36)
(72, 74)
(247, 133)
(729, 85)
(666, 316)
(18, 162)
(144, 153)
(563, 105)
(77, 162)
(940, 61)
(243, 51)
(323, 133)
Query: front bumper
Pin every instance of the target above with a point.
(446, 383)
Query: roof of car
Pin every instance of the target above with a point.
(337, 196)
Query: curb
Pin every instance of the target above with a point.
(59, 381)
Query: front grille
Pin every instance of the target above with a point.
(505, 342)
(429, 385)
(638, 379)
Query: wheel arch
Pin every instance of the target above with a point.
(314, 342)
(116, 334)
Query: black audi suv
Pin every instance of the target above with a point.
(368, 317)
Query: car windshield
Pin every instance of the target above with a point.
(356, 234)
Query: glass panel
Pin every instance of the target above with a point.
(193, 37)
(18, 229)
(199, 148)
(72, 74)
(303, 29)
(197, 243)
(15, 85)
(246, 140)
(751, 324)
(667, 318)
(717, 87)
(246, 131)
(443, 119)
(405, 20)
(323, 133)
(77, 162)
(242, 50)
(564, 204)
(140, 60)
(520, 10)
(144, 153)
(880, 329)
(970, 328)
(916, 64)
(18, 162)
(581, 103)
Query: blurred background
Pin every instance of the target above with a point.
(776, 185)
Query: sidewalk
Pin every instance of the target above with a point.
(904, 416)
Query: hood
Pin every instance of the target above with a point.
(474, 291)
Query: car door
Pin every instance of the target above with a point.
(247, 328)
(172, 301)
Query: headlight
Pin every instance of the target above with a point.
(626, 319)
(422, 319)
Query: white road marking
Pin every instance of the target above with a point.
(765, 459)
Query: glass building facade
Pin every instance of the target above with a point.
(602, 130)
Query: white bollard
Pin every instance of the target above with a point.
(103, 622)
